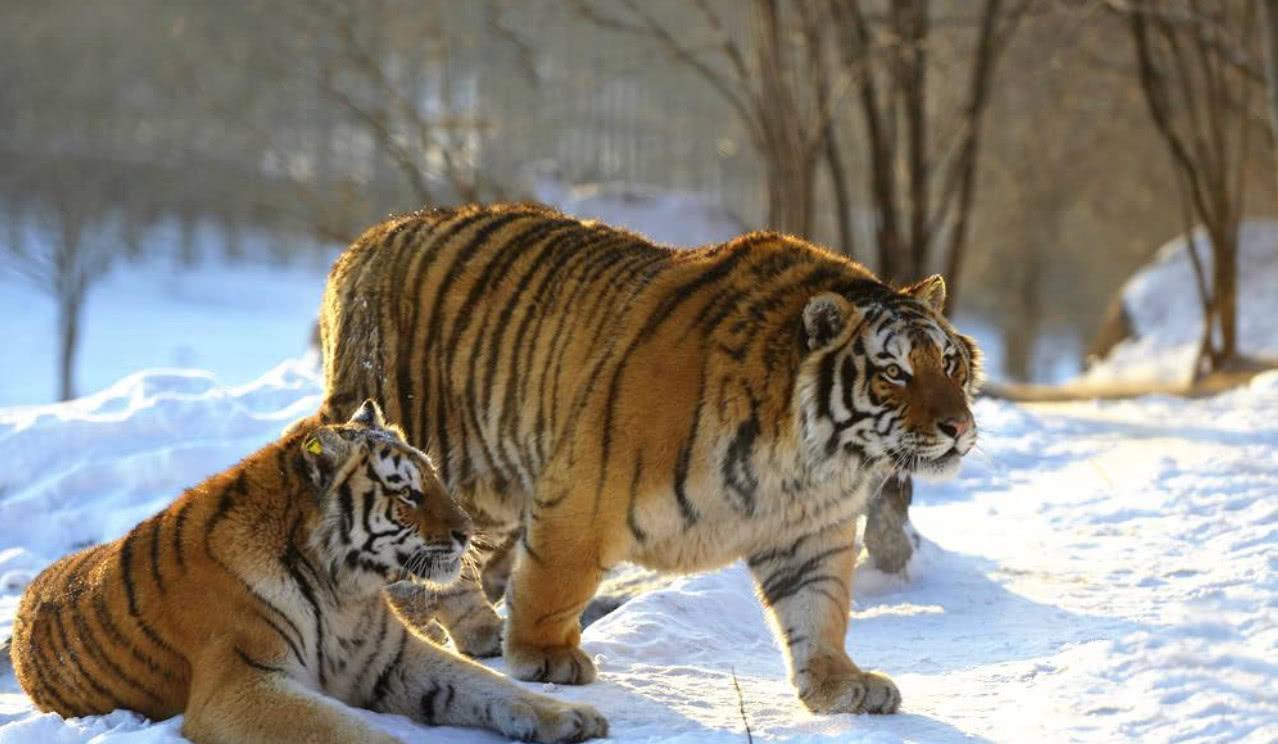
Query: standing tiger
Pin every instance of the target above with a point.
(608, 400)
(256, 598)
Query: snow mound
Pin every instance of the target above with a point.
(235, 319)
(1166, 317)
(1092, 575)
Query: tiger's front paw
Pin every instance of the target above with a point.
(567, 665)
(542, 719)
(850, 691)
(479, 635)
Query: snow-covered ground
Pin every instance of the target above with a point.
(1099, 572)
(1162, 303)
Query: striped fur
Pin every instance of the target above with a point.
(608, 399)
(255, 601)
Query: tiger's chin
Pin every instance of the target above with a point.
(940, 468)
(435, 573)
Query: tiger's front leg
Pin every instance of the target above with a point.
(472, 623)
(808, 588)
(557, 570)
(433, 686)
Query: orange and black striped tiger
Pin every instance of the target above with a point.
(612, 400)
(255, 601)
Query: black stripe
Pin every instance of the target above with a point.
(74, 672)
(671, 302)
(131, 595)
(427, 704)
(682, 464)
(405, 373)
(290, 560)
(435, 322)
(739, 476)
(103, 614)
(156, 524)
(95, 649)
(257, 664)
(179, 523)
(381, 688)
(791, 579)
(632, 520)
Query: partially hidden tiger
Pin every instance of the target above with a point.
(254, 604)
(596, 398)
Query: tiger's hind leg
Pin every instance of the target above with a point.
(238, 699)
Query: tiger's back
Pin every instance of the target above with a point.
(502, 310)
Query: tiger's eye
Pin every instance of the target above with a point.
(893, 372)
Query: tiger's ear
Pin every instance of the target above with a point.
(824, 318)
(369, 414)
(324, 451)
(929, 291)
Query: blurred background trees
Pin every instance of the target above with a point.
(1035, 150)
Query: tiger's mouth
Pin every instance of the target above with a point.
(434, 568)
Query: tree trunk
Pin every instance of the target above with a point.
(70, 303)
(842, 197)
(1225, 278)
(791, 182)
(1270, 19)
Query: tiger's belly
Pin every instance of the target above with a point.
(722, 536)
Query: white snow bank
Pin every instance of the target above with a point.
(236, 320)
(1162, 303)
(1099, 572)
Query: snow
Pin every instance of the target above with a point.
(159, 314)
(677, 218)
(1162, 303)
(1099, 571)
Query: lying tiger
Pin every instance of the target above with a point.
(254, 602)
(608, 400)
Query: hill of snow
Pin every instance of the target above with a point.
(1162, 304)
(1096, 574)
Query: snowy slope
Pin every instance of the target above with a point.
(1099, 572)
(1162, 302)
(158, 314)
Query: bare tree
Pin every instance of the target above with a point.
(390, 67)
(782, 92)
(1194, 59)
(922, 183)
(63, 260)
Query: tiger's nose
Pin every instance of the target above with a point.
(461, 538)
(955, 426)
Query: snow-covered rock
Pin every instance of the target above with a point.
(1163, 308)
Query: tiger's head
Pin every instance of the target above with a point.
(385, 515)
(886, 381)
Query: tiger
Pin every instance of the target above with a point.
(254, 605)
(600, 398)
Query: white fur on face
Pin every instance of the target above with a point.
(841, 417)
